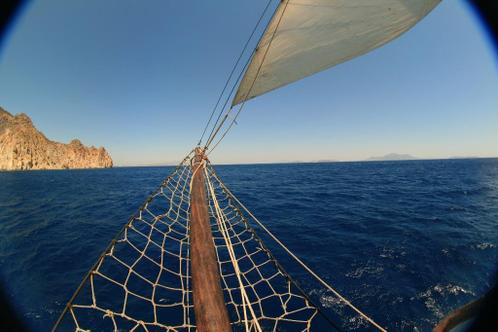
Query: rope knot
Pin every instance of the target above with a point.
(108, 313)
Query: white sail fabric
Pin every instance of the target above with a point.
(307, 36)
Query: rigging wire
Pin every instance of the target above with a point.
(222, 221)
(265, 248)
(231, 75)
(250, 88)
(216, 128)
(300, 262)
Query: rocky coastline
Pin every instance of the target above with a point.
(23, 147)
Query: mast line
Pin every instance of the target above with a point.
(231, 75)
(255, 77)
(216, 127)
(298, 260)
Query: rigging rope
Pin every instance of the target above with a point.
(221, 219)
(230, 77)
(250, 88)
(298, 260)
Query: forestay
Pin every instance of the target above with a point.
(307, 36)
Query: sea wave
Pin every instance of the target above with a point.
(431, 297)
(485, 245)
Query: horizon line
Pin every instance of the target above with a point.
(325, 161)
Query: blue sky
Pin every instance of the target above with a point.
(140, 78)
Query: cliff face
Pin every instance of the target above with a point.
(23, 147)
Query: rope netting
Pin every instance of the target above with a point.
(142, 281)
(274, 302)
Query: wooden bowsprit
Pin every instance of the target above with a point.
(209, 305)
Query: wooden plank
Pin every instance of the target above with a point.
(458, 316)
(209, 305)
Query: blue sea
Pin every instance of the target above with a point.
(405, 241)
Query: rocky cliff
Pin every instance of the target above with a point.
(23, 147)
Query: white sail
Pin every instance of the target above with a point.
(307, 36)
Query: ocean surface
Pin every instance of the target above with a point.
(406, 241)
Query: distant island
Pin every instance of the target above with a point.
(392, 156)
(23, 147)
(326, 161)
(465, 157)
